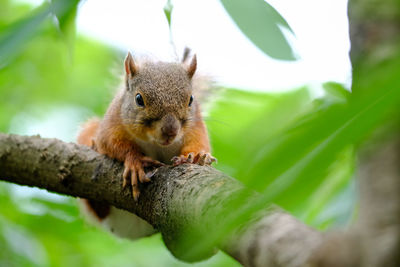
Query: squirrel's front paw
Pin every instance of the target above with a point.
(134, 171)
(201, 158)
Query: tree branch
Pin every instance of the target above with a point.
(181, 202)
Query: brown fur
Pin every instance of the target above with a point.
(88, 132)
(195, 137)
(129, 132)
(86, 137)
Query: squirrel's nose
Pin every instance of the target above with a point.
(169, 130)
(170, 126)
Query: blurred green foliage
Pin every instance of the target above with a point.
(297, 151)
(263, 25)
(42, 75)
(38, 229)
(264, 135)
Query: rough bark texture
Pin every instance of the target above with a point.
(187, 200)
(190, 200)
(374, 30)
(374, 35)
(379, 218)
(277, 239)
(374, 240)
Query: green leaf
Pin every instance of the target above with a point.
(262, 24)
(339, 177)
(16, 35)
(168, 11)
(65, 12)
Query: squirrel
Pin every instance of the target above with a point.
(153, 120)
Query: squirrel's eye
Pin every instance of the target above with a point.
(139, 100)
(190, 100)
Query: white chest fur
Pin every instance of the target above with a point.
(160, 153)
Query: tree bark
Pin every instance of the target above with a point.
(187, 202)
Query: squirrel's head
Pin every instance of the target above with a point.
(157, 103)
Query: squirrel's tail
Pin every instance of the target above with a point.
(119, 222)
(87, 133)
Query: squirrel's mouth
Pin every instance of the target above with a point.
(167, 141)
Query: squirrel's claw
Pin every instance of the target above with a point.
(125, 176)
(149, 162)
(142, 176)
(135, 186)
(178, 160)
(205, 159)
(134, 172)
(200, 158)
(130, 176)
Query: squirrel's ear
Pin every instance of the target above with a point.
(130, 67)
(191, 69)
